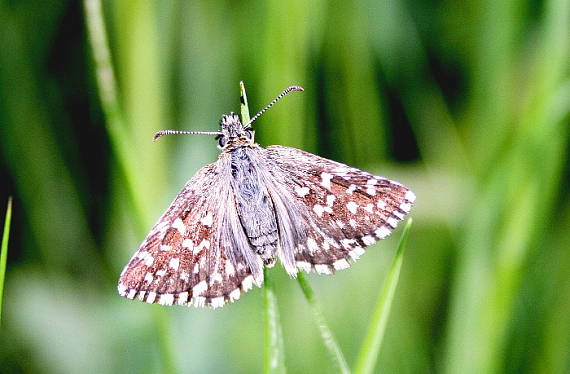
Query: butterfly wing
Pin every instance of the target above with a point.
(197, 253)
(346, 208)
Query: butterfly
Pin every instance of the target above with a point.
(255, 205)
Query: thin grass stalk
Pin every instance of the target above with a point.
(273, 347)
(126, 159)
(373, 341)
(4, 251)
(108, 95)
(326, 333)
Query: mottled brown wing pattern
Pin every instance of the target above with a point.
(349, 209)
(184, 260)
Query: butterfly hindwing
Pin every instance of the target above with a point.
(347, 208)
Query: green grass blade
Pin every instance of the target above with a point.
(124, 151)
(243, 103)
(4, 251)
(326, 333)
(108, 95)
(273, 348)
(371, 347)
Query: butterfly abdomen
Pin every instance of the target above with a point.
(255, 208)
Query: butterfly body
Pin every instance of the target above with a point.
(254, 205)
(251, 207)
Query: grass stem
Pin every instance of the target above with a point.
(326, 333)
(372, 342)
(4, 251)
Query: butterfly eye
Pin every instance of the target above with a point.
(249, 134)
(222, 141)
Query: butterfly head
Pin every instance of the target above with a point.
(233, 133)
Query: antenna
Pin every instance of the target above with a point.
(216, 133)
(169, 132)
(279, 97)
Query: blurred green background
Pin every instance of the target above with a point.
(466, 102)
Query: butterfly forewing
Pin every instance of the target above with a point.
(185, 259)
(347, 208)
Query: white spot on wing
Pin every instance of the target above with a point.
(217, 302)
(392, 222)
(356, 253)
(203, 244)
(142, 255)
(323, 269)
(369, 208)
(340, 223)
(160, 273)
(330, 200)
(151, 297)
(122, 289)
(247, 283)
(148, 260)
(131, 294)
(198, 289)
(351, 189)
(148, 278)
(326, 180)
(234, 295)
(382, 232)
(319, 209)
(352, 206)
(230, 269)
(368, 240)
(207, 219)
(371, 191)
(187, 243)
(381, 204)
(301, 191)
(174, 263)
(406, 207)
(166, 299)
(410, 196)
(179, 225)
(182, 298)
(341, 264)
(312, 245)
